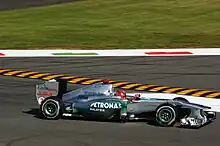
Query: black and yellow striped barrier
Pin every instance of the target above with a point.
(117, 84)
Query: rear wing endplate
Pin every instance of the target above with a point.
(50, 88)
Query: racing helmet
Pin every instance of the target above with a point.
(105, 81)
(121, 93)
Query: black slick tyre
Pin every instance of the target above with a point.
(166, 115)
(51, 108)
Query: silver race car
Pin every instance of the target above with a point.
(101, 102)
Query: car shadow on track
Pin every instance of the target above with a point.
(35, 112)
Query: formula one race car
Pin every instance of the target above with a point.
(100, 102)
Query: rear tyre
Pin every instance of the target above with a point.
(51, 108)
(166, 115)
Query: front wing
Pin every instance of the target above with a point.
(198, 118)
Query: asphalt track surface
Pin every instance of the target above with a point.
(20, 127)
(18, 4)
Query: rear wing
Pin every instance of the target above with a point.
(50, 88)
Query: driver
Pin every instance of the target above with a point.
(122, 94)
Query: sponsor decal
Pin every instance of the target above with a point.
(2, 54)
(44, 93)
(52, 89)
(101, 106)
(40, 100)
(43, 87)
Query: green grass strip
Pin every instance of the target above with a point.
(113, 24)
(67, 53)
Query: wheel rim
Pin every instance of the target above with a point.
(51, 109)
(165, 115)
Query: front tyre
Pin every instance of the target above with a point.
(166, 115)
(51, 108)
(210, 115)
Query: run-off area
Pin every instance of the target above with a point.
(19, 127)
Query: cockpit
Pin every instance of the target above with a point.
(92, 90)
(106, 89)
